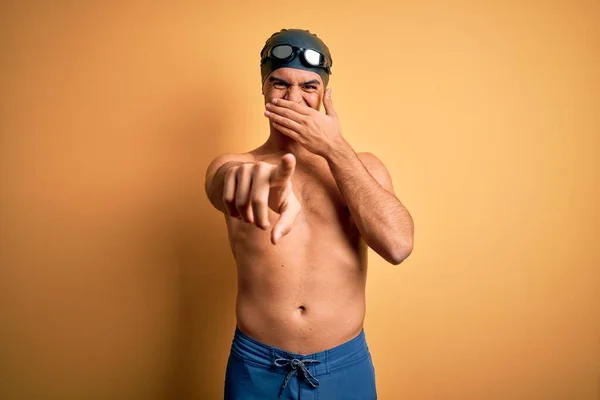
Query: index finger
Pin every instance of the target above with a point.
(284, 170)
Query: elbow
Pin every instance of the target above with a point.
(399, 253)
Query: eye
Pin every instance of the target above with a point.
(310, 87)
(279, 85)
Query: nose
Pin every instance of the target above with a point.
(293, 94)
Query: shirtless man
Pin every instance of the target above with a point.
(300, 211)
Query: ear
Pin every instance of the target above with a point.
(262, 88)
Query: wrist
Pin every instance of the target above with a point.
(339, 152)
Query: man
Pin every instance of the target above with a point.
(300, 212)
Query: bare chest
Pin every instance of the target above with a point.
(319, 195)
(324, 221)
(324, 214)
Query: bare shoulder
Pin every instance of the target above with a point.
(377, 169)
(370, 159)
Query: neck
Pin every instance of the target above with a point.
(278, 142)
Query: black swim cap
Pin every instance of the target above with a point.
(299, 38)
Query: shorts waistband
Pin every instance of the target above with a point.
(264, 356)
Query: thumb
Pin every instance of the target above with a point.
(328, 104)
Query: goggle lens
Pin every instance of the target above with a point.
(311, 56)
(282, 52)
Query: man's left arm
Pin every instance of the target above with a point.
(383, 222)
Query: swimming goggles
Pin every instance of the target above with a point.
(286, 52)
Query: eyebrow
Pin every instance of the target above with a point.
(312, 82)
(283, 81)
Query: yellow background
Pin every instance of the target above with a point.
(116, 279)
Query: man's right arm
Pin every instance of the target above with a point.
(215, 176)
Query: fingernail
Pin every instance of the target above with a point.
(274, 101)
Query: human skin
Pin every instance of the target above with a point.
(300, 211)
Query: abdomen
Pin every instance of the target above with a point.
(305, 294)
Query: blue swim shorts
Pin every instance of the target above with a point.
(256, 371)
